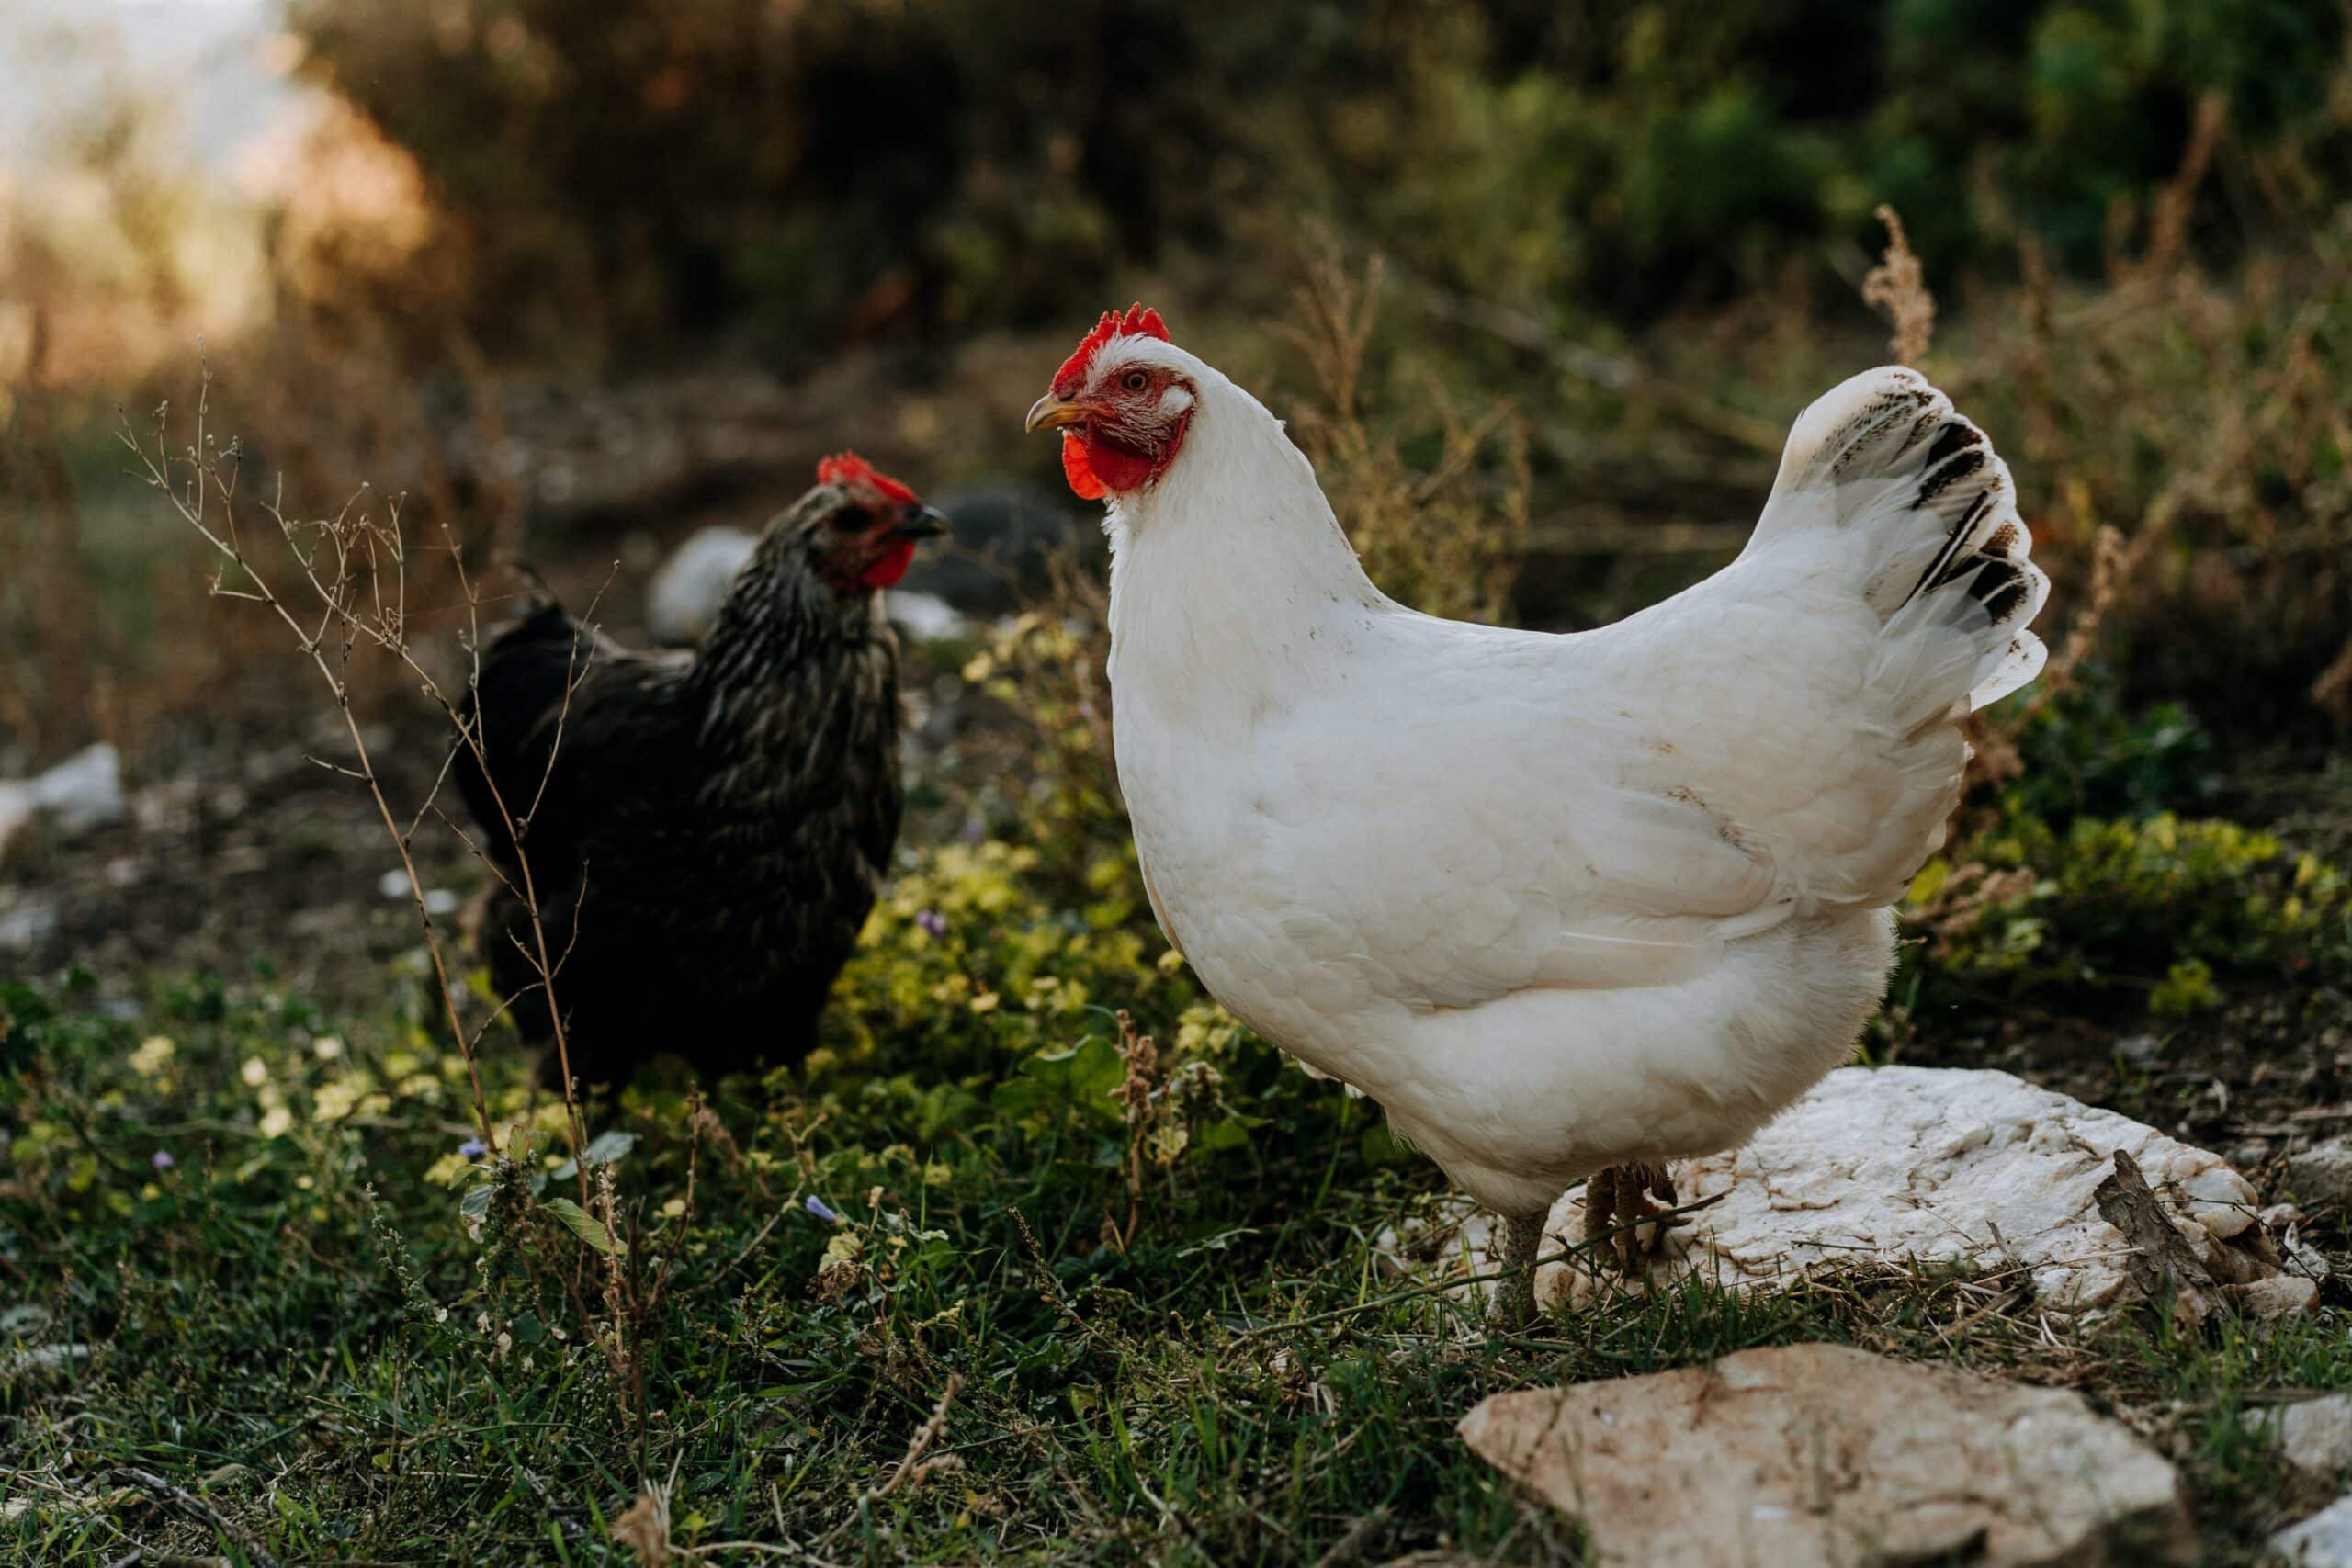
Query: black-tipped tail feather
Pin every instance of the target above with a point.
(1948, 565)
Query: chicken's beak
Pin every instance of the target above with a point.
(1050, 413)
(922, 523)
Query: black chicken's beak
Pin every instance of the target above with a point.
(922, 523)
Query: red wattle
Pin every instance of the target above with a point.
(1115, 468)
(1076, 470)
(891, 566)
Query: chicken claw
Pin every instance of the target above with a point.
(1618, 1201)
(1513, 1309)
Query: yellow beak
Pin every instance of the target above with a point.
(1049, 413)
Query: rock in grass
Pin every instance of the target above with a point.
(2314, 1435)
(1905, 1166)
(2324, 1540)
(2323, 1172)
(82, 792)
(1821, 1454)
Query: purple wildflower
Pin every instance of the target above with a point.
(821, 1209)
(932, 922)
(164, 1160)
(473, 1148)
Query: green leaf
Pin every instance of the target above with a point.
(604, 1148)
(586, 1226)
(1079, 1078)
(1225, 1132)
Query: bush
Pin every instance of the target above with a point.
(840, 170)
(2161, 906)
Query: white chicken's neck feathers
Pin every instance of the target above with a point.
(1228, 574)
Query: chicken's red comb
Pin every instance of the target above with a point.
(1112, 324)
(852, 471)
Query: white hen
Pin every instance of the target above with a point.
(1559, 903)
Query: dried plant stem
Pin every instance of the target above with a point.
(1898, 285)
(207, 482)
(349, 545)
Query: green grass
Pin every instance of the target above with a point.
(294, 1325)
(1145, 1285)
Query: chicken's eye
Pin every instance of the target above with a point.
(1135, 380)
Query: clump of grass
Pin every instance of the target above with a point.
(331, 1372)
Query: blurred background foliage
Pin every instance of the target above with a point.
(628, 181)
(1540, 289)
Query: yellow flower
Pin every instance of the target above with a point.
(255, 1072)
(276, 1121)
(985, 1002)
(446, 1171)
(326, 1047)
(673, 1208)
(154, 1053)
(334, 1101)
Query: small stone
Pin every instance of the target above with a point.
(1806, 1455)
(2138, 1049)
(26, 924)
(2314, 1435)
(683, 597)
(2323, 1172)
(2324, 1540)
(2280, 1296)
(42, 1358)
(82, 792)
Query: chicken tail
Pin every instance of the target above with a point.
(1945, 556)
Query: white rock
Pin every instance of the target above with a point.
(84, 792)
(1902, 1166)
(42, 1358)
(2324, 1540)
(926, 617)
(2281, 1295)
(1804, 1455)
(685, 594)
(25, 923)
(393, 884)
(2322, 1171)
(2314, 1435)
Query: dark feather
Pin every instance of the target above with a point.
(714, 825)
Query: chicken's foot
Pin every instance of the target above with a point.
(1513, 1308)
(1619, 1200)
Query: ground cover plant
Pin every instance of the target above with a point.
(1042, 1255)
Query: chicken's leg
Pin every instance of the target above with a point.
(1619, 1200)
(1513, 1308)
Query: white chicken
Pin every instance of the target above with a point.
(1565, 906)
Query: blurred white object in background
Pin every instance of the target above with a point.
(84, 791)
(685, 592)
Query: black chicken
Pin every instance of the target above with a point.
(715, 823)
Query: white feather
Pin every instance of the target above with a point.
(1558, 902)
